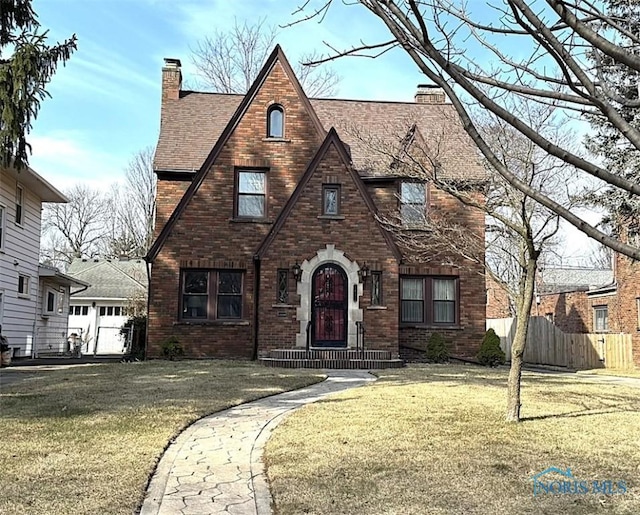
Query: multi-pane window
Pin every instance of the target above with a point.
(252, 191)
(412, 300)
(331, 200)
(78, 310)
(103, 311)
(275, 122)
(430, 300)
(2, 227)
(413, 202)
(211, 294)
(19, 204)
(444, 301)
(376, 288)
(283, 286)
(23, 284)
(601, 318)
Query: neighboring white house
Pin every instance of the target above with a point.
(33, 299)
(96, 314)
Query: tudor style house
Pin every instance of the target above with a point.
(269, 232)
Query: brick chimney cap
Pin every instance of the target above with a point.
(172, 62)
(428, 86)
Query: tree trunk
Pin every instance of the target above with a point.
(523, 312)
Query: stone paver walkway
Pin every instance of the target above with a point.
(215, 465)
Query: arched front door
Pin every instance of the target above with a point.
(329, 307)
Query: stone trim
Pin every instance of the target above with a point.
(354, 312)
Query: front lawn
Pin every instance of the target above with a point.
(433, 440)
(85, 439)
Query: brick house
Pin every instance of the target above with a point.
(604, 301)
(268, 232)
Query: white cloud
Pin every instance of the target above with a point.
(65, 160)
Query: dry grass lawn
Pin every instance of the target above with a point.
(432, 440)
(85, 439)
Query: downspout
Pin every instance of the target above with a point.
(256, 303)
(146, 331)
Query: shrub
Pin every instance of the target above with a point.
(138, 337)
(437, 351)
(490, 354)
(171, 348)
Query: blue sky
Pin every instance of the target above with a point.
(105, 102)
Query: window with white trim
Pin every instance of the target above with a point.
(19, 204)
(3, 230)
(23, 285)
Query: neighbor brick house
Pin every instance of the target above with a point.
(268, 223)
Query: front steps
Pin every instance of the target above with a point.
(331, 359)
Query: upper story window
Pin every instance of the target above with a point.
(2, 227)
(331, 199)
(413, 202)
(19, 204)
(23, 285)
(275, 121)
(252, 194)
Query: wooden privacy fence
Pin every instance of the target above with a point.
(548, 345)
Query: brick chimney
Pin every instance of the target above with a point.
(430, 94)
(171, 79)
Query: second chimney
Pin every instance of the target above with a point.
(430, 94)
(171, 78)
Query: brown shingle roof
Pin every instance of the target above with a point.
(192, 124)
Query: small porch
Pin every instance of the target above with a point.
(331, 359)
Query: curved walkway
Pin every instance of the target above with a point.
(215, 465)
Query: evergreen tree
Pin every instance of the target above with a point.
(606, 142)
(27, 64)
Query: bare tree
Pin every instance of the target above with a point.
(550, 51)
(519, 231)
(74, 229)
(130, 228)
(229, 61)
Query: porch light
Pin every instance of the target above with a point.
(296, 270)
(364, 272)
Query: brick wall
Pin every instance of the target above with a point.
(207, 230)
(628, 279)
(305, 233)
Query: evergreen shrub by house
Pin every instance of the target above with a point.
(437, 351)
(490, 354)
(172, 349)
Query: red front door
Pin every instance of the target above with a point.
(329, 308)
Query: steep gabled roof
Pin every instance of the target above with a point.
(196, 119)
(277, 56)
(331, 139)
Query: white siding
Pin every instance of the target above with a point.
(19, 256)
(51, 328)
